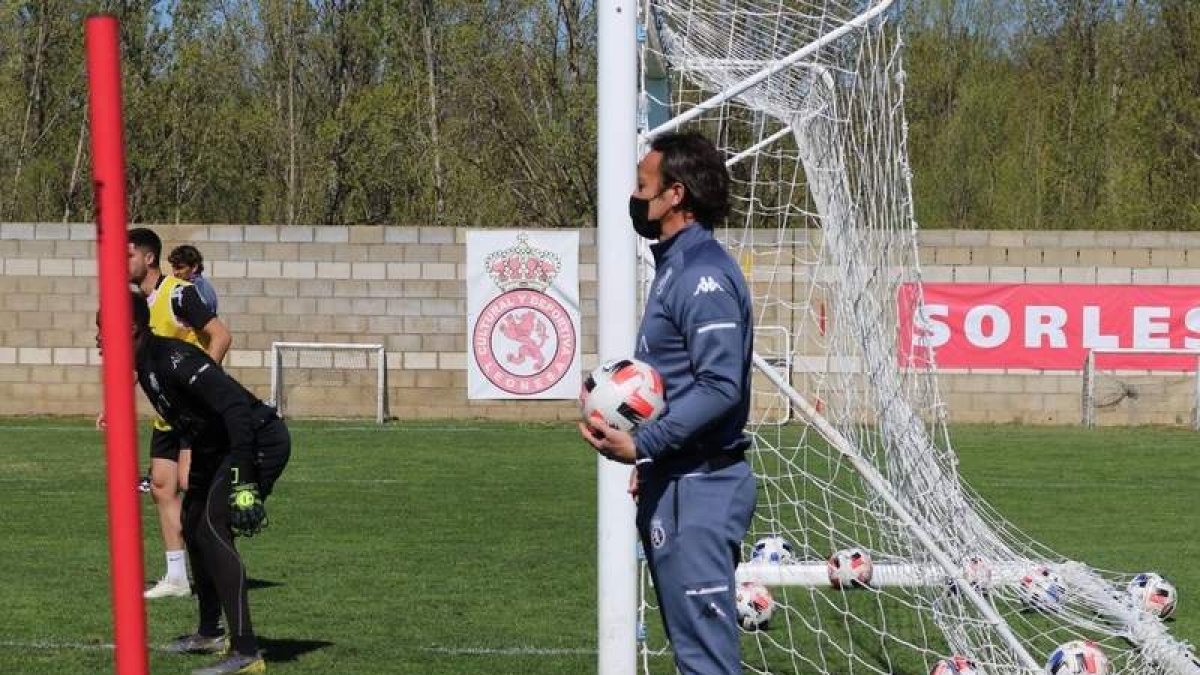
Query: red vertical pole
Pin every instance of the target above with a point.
(116, 317)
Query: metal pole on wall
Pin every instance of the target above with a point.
(124, 509)
(1196, 398)
(616, 159)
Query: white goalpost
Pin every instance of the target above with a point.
(616, 158)
(329, 379)
(806, 99)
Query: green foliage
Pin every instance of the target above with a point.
(1023, 113)
(319, 112)
(1055, 114)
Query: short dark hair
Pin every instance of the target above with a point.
(187, 255)
(692, 160)
(145, 239)
(141, 310)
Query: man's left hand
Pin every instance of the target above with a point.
(609, 441)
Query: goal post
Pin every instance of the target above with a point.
(291, 356)
(1130, 384)
(616, 249)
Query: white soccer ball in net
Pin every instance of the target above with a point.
(978, 572)
(955, 665)
(1077, 658)
(774, 550)
(1042, 590)
(850, 567)
(1154, 594)
(626, 393)
(754, 605)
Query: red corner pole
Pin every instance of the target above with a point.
(116, 317)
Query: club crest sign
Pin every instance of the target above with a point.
(523, 317)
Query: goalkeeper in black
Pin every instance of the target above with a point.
(239, 448)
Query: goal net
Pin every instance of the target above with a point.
(1165, 390)
(334, 380)
(806, 99)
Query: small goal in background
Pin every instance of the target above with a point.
(1163, 390)
(326, 379)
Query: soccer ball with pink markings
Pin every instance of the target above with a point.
(626, 393)
(1154, 594)
(754, 605)
(955, 665)
(850, 567)
(1042, 590)
(1078, 658)
(978, 572)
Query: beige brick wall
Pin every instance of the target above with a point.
(400, 287)
(404, 287)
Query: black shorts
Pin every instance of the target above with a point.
(165, 444)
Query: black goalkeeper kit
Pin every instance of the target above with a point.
(239, 449)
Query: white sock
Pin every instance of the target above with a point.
(177, 565)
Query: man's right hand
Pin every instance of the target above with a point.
(633, 483)
(101, 423)
(247, 515)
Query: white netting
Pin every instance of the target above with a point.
(823, 226)
(313, 380)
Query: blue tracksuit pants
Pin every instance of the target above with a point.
(691, 527)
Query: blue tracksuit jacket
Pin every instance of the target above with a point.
(697, 332)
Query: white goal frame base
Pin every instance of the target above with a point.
(277, 348)
(815, 574)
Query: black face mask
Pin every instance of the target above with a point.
(639, 213)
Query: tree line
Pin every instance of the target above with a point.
(1038, 114)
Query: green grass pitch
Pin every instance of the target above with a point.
(469, 547)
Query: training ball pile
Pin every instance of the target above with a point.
(955, 665)
(772, 550)
(1154, 594)
(850, 567)
(625, 393)
(754, 605)
(1077, 658)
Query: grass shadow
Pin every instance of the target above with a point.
(285, 649)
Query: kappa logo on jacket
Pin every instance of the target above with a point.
(707, 285)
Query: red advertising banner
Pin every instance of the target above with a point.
(1048, 326)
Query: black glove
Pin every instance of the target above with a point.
(247, 515)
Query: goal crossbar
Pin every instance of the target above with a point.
(277, 349)
(788, 61)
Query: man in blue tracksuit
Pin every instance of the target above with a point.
(696, 491)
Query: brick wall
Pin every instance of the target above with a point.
(404, 288)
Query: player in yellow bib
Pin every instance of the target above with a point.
(176, 311)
